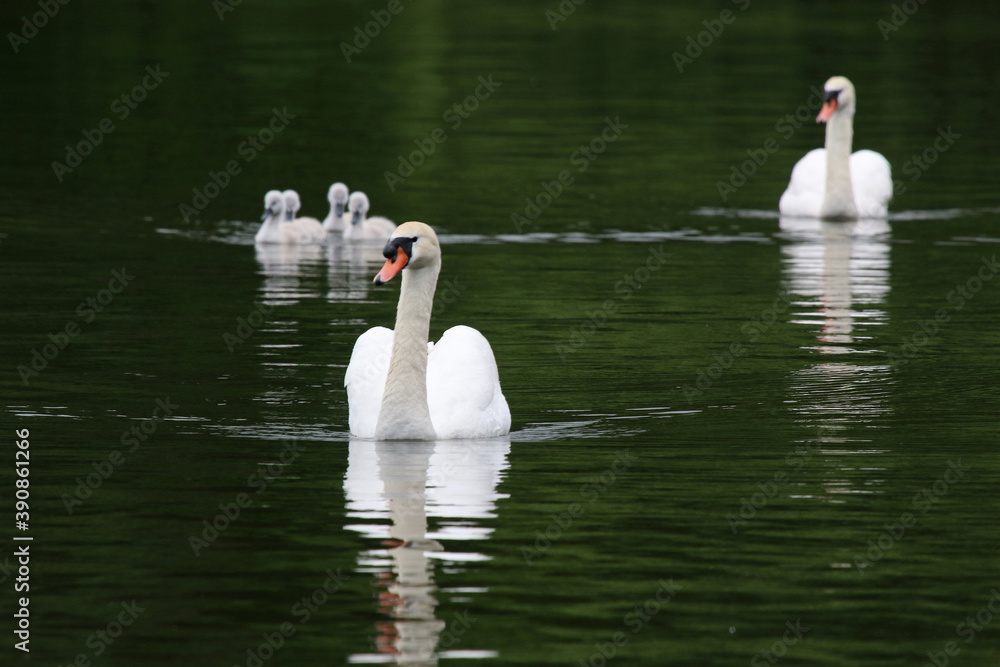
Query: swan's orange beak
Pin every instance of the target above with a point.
(392, 267)
(828, 108)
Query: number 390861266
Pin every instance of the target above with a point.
(21, 461)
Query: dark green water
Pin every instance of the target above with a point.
(733, 434)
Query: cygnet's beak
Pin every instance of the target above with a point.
(356, 217)
(289, 215)
(338, 209)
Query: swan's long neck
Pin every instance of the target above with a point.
(354, 229)
(404, 414)
(269, 229)
(838, 200)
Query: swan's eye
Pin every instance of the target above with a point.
(831, 95)
(400, 242)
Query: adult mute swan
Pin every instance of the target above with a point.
(400, 387)
(274, 228)
(831, 183)
(337, 196)
(361, 227)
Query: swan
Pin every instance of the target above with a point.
(310, 226)
(361, 227)
(274, 230)
(337, 196)
(830, 182)
(399, 386)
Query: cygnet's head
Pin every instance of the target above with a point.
(412, 245)
(358, 206)
(337, 196)
(838, 97)
(292, 204)
(274, 204)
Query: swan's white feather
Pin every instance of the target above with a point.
(365, 380)
(463, 384)
(463, 387)
(307, 230)
(274, 228)
(338, 192)
(871, 181)
(369, 229)
(333, 224)
(375, 228)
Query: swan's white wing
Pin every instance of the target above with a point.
(804, 195)
(365, 380)
(463, 387)
(871, 180)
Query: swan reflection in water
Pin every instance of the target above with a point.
(841, 272)
(351, 267)
(395, 487)
(291, 272)
(837, 274)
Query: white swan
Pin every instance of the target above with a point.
(337, 196)
(274, 229)
(831, 183)
(361, 227)
(399, 387)
(311, 227)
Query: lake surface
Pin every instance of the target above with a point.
(736, 438)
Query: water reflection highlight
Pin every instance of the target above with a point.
(394, 488)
